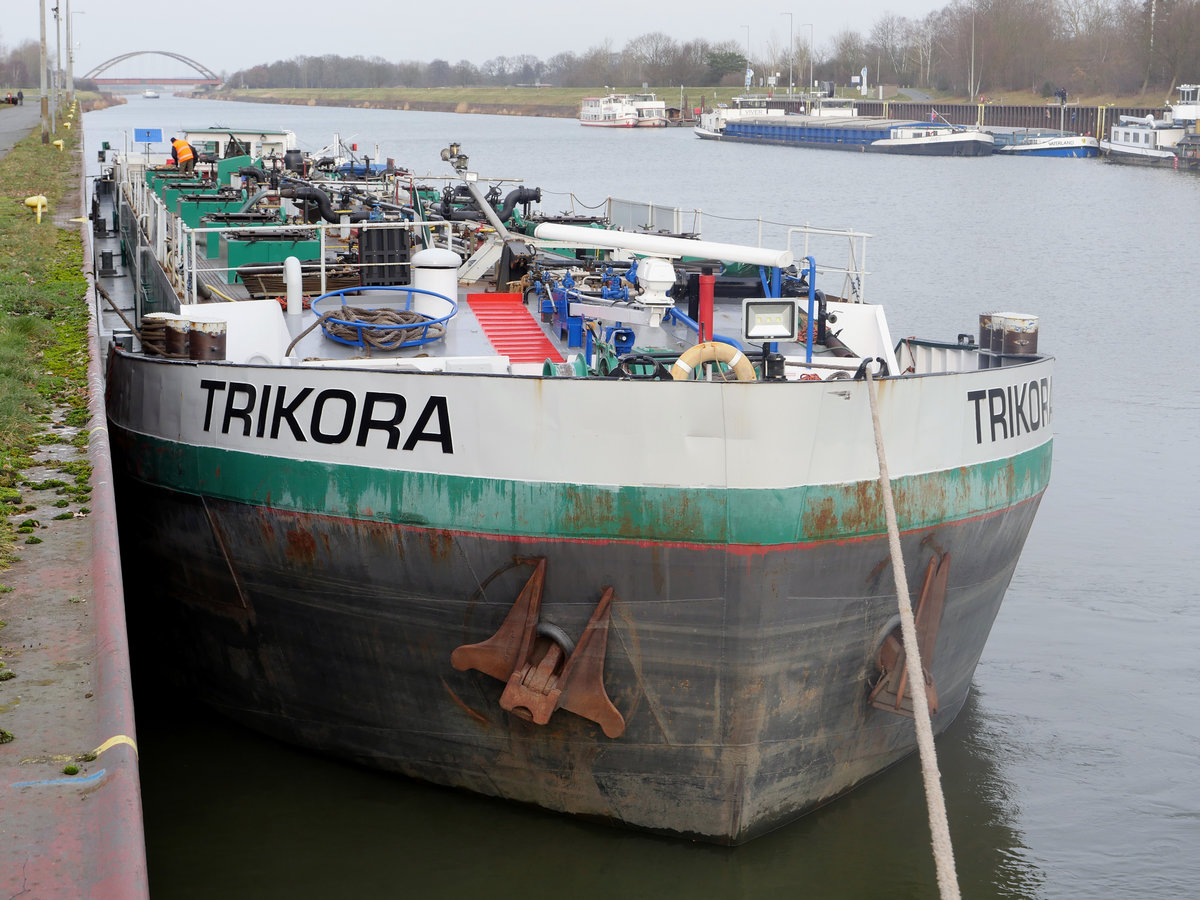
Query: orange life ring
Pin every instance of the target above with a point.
(713, 351)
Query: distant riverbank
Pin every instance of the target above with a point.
(552, 102)
(335, 98)
(564, 103)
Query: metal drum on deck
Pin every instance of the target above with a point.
(1006, 335)
(207, 340)
(178, 329)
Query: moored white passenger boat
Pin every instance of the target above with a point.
(605, 537)
(624, 111)
(1150, 141)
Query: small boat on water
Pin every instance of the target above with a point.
(150, 94)
(1148, 141)
(544, 509)
(624, 111)
(1046, 143)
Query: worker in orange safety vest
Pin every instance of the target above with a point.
(184, 155)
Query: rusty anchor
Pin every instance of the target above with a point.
(890, 689)
(542, 672)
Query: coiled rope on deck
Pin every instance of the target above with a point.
(383, 329)
(939, 824)
(355, 324)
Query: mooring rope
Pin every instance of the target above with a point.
(939, 824)
(113, 303)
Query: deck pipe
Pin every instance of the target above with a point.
(324, 204)
(294, 279)
(481, 206)
(662, 245)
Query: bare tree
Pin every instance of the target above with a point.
(464, 73)
(691, 64)
(496, 70)
(848, 56)
(1177, 42)
(649, 57)
(922, 38)
(19, 66)
(599, 65)
(889, 36)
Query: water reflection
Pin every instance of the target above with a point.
(231, 814)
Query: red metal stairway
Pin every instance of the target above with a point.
(511, 329)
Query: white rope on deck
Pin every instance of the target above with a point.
(939, 824)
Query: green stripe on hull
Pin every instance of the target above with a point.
(580, 511)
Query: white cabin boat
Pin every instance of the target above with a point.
(624, 111)
(1154, 142)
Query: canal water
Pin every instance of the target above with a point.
(1073, 771)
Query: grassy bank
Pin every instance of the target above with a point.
(565, 102)
(43, 317)
(543, 101)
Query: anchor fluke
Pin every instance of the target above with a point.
(542, 673)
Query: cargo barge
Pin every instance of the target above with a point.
(528, 507)
(861, 134)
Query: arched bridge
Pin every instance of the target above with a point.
(206, 75)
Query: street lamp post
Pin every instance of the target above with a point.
(71, 14)
(791, 52)
(42, 68)
(54, 76)
(747, 27)
(811, 50)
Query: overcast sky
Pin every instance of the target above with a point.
(227, 35)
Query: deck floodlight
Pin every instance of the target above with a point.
(454, 155)
(770, 319)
